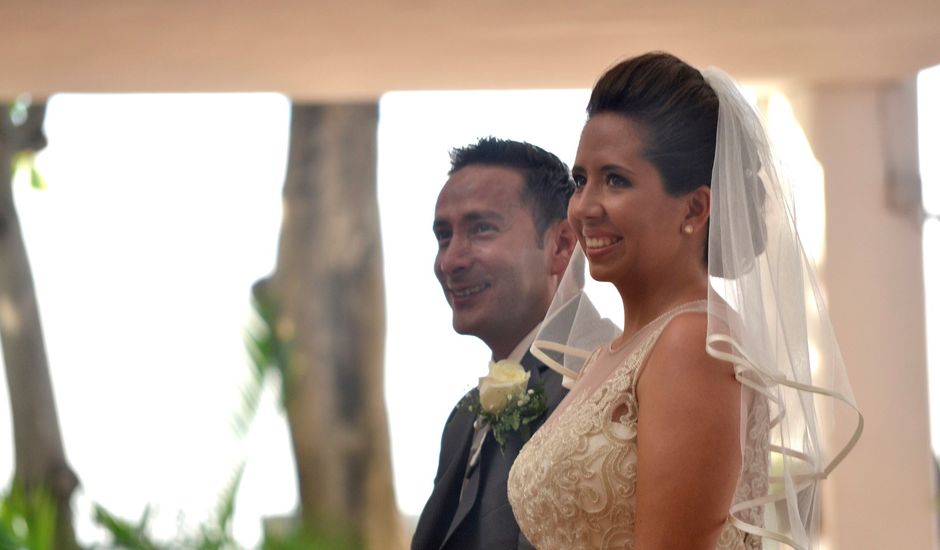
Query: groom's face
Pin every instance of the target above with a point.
(495, 275)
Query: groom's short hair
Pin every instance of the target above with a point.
(548, 184)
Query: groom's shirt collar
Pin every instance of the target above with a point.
(522, 347)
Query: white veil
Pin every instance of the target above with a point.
(766, 316)
(572, 328)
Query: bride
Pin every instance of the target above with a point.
(697, 427)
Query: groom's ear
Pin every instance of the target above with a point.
(560, 240)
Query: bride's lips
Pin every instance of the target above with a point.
(597, 246)
(464, 294)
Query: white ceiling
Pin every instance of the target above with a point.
(357, 49)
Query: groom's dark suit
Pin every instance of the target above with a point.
(482, 519)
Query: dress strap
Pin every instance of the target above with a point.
(655, 329)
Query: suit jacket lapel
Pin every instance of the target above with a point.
(471, 487)
(441, 506)
(554, 391)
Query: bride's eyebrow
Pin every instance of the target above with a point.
(577, 168)
(617, 168)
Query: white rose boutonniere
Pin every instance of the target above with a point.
(505, 380)
(504, 402)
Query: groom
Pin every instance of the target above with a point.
(503, 245)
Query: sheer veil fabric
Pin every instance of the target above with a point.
(766, 316)
(572, 328)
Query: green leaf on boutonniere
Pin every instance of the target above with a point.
(520, 411)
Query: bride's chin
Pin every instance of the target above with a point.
(601, 273)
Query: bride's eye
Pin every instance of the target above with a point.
(579, 181)
(616, 180)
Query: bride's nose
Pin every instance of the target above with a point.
(586, 203)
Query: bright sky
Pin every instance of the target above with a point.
(160, 213)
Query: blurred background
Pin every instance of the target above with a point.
(219, 320)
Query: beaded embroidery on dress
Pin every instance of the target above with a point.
(573, 485)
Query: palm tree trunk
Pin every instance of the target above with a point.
(40, 462)
(328, 291)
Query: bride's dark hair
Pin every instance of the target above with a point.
(678, 109)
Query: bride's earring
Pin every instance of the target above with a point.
(688, 229)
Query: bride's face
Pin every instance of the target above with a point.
(629, 227)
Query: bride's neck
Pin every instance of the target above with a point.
(643, 304)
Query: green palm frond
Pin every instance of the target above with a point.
(25, 162)
(27, 521)
(261, 351)
(266, 352)
(124, 534)
(216, 534)
(18, 110)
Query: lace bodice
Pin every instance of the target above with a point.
(573, 485)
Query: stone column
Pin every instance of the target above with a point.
(883, 495)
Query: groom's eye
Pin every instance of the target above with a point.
(579, 181)
(443, 237)
(482, 228)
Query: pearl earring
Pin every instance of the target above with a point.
(688, 229)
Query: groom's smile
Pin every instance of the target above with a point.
(490, 262)
(464, 293)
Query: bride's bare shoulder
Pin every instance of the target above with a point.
(679, 355)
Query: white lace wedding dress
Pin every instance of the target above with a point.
(573, 485)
